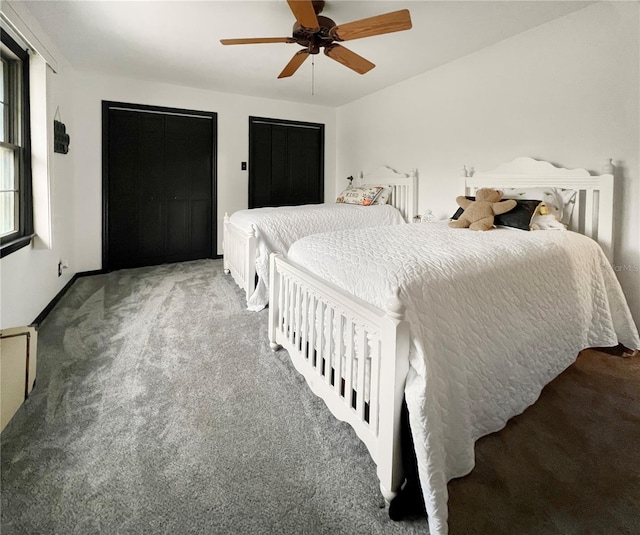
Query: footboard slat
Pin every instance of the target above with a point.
(287, 307)
(320, 343)
(338, 363)
(304, 331)
(353, 355)
(360, 375)
(312, 332)
(298, 331)
(348, 363)
(374, 386)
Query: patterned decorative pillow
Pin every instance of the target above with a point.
(559, 202)
(364, 196)
(383, 196)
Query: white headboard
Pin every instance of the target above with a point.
(404, 188)
(593, 211)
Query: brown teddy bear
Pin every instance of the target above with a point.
(479, 214)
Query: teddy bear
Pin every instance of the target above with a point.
(479, 214)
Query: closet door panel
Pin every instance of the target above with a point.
(160, 185)
(123, 156)
(280, 194)
(177, 176)
(200, 159)
(151, 167)
(151, 231)
(123, 229)
(260, 155)
(286, 162)
(178, 231)
(304, 167)
(123, 187)
(151, 157)
(200, 218)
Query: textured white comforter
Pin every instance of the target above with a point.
(494, 316)
(277, 228)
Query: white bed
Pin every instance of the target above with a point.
(251, 235)
(419, 301)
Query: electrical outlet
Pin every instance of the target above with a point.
(243, 166)
(60, 268)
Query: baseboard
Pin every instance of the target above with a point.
(90, 273)
(45, 312)
(64, 290)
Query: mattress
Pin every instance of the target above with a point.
(278, 227)
(494, 316)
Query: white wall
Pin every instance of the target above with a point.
(29, 277)
(565, 92)
(90, 89)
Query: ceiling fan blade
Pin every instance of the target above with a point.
(304, 13)
(293, 65)
(395, 21)
(348, 58)
(257, 40)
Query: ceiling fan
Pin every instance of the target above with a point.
(314, 32)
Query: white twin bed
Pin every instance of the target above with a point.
(251, 235)
(468, 326)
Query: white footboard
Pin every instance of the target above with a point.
(353, 355)
(239, 255)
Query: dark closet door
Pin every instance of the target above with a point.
(159, 187)
(286, 161)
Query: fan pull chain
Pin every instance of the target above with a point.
(313, 73)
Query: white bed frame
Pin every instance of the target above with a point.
(303, 308)
(593, 212)
(239, 245)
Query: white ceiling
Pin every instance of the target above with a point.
(177, 42)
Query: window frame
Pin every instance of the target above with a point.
(20, 126)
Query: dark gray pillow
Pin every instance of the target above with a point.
(520, 217)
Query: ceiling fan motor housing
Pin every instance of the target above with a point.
(317, 39)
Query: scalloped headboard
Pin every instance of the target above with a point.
(593, 212)
(404, 188)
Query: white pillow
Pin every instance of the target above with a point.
(546, 222)
(364, 196)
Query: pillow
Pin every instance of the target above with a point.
(521, 217)
(363, 196)
(559, 201)
(546, 221)
(383, 196)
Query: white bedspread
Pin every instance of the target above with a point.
(277, 228)
(494, 316)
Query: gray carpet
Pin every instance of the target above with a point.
(159, 408)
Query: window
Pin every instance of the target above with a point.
(16, 212)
